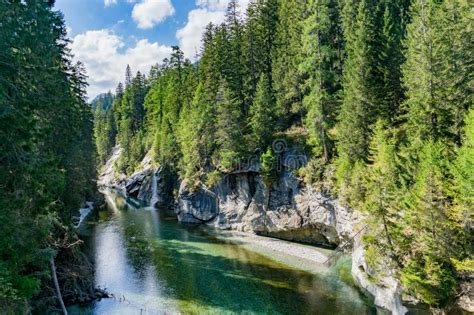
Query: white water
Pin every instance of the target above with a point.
(84, 212)
(154, 191)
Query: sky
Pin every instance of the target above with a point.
(109, 34)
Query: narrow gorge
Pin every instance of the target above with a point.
(236, 157)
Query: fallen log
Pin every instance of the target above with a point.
(56, 285)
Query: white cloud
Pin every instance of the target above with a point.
(189, 37)
(109, 2)
(221, 5)
(148, 13)
(100, 51)
(213, 4)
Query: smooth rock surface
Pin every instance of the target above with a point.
(196, 206)
(288, 210)
(387, 294)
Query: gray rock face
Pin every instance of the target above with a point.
(140, 186)
(134, 184)
(387, 294)
(196, 206)
(288, 210)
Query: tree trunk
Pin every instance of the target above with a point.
(56, 285)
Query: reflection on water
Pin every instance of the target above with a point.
(153, 265)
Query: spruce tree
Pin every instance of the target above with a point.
(463, 191)
(233, 71)
(428, 272)
(228, 129)
(286, 58)
(321, 67)
(358, 109)
(262, 121)
(390, 59)
(382, 200)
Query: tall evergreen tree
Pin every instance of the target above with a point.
(228, 129)
(358, 109)
(382, 201)
(233, 70)
(428, 273)
(287, 79)
(262, 121)
(322, 68)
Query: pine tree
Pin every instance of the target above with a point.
(128, 76)
(434, 74)
(428, 273)
(321, 67)
(465, 163)
(262, 121)
(262, 21)
(233, 71)
(228, 130)
(390, 59)
(382, 200)
(287, 79)
(463, 188)
(358, 109)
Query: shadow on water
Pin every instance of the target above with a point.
(157, 265)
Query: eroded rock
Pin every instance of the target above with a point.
(196, 204)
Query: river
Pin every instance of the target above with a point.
(154, 265)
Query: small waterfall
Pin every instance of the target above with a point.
(154, 190)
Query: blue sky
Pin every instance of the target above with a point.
(109, 34)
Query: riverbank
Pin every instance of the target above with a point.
(304, 257)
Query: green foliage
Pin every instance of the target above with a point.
(379, 91)
(268, 162)
(228, 129)
(466, 265)
(213, 178)
(261, 120)
(46, 146)
(381, 200)
(322, 67)
(463, 175)
(287, 80)
(429, 281)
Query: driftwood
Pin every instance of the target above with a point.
(56, 285)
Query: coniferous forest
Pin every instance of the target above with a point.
(378, 94)
(47, 158)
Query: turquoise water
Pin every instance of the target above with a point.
(153, 265)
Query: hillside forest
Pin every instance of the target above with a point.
(376, 93)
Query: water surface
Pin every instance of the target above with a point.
(153, 265)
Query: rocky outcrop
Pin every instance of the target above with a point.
(108, 176)
(150, 185)
(139, 184)
(196, 206)
(288, 210)
(466, 297)
(387, 292)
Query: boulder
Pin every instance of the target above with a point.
(196, 205)
(134, 182)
